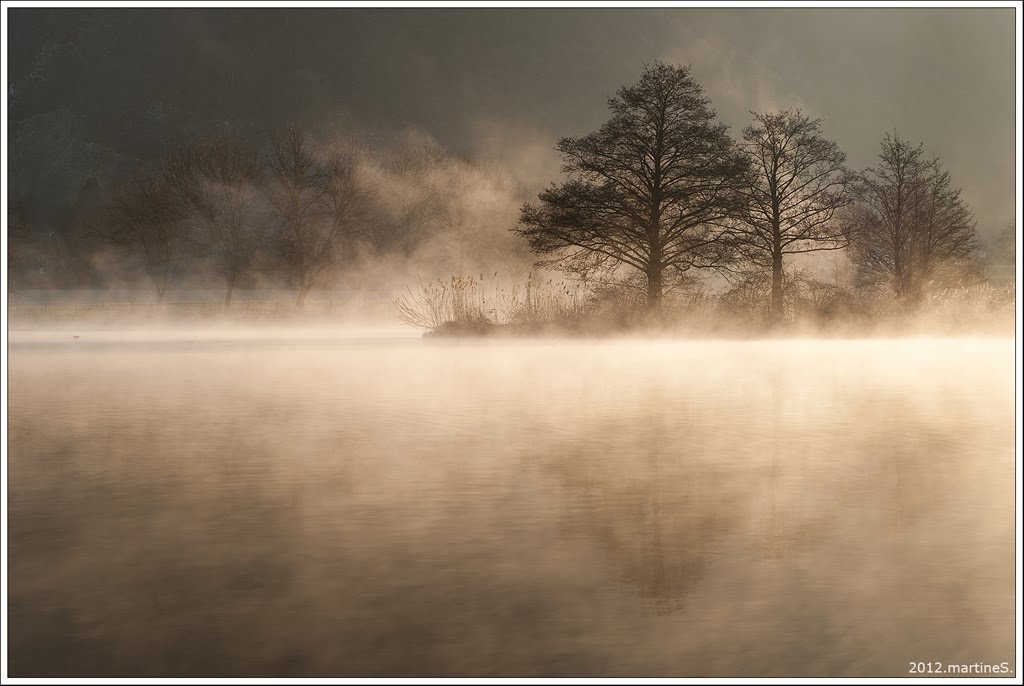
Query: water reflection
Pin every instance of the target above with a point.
(520, 509)
(640, 502)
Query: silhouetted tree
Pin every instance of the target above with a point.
(647, 191)
(407, 194)
(88, 209)
(1003, 247)
(910, 221)
(294, 191)
(795, 184)
(146, 220)
(216, 181)
(410, 205)
(345, 210)
(319, 202)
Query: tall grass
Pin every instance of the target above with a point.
(470, 302)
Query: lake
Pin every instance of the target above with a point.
(318, 502)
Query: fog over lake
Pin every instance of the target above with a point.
(353, 341)
(330, 502)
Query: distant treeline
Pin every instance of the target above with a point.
(659, 198)
(302, 212)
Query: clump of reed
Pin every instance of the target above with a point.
(473, 303)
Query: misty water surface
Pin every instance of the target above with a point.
(214, 503)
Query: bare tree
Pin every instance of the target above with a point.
(293, 190)
(796, 183)
(1003, 246)
(146, 220)
(473, 198)
(410, 213)
(346, 208)
(445, 209)
(401, 180)
(216, 181)
(318, 202)
(647, 191)
(911, 222)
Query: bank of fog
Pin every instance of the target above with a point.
(306, 214)
(352, 227)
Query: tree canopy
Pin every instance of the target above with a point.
(912, 223)
(648, 191)
(796, 183)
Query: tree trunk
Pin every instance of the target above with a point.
(227, 295)
(304, 285)
(654, 291)
(654, 266)
(160, 295)
(897, 269)
(303, 292)
(913, 286)
(777, 313)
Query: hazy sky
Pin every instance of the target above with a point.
(506, 83)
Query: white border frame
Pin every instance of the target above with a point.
(583, 4)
